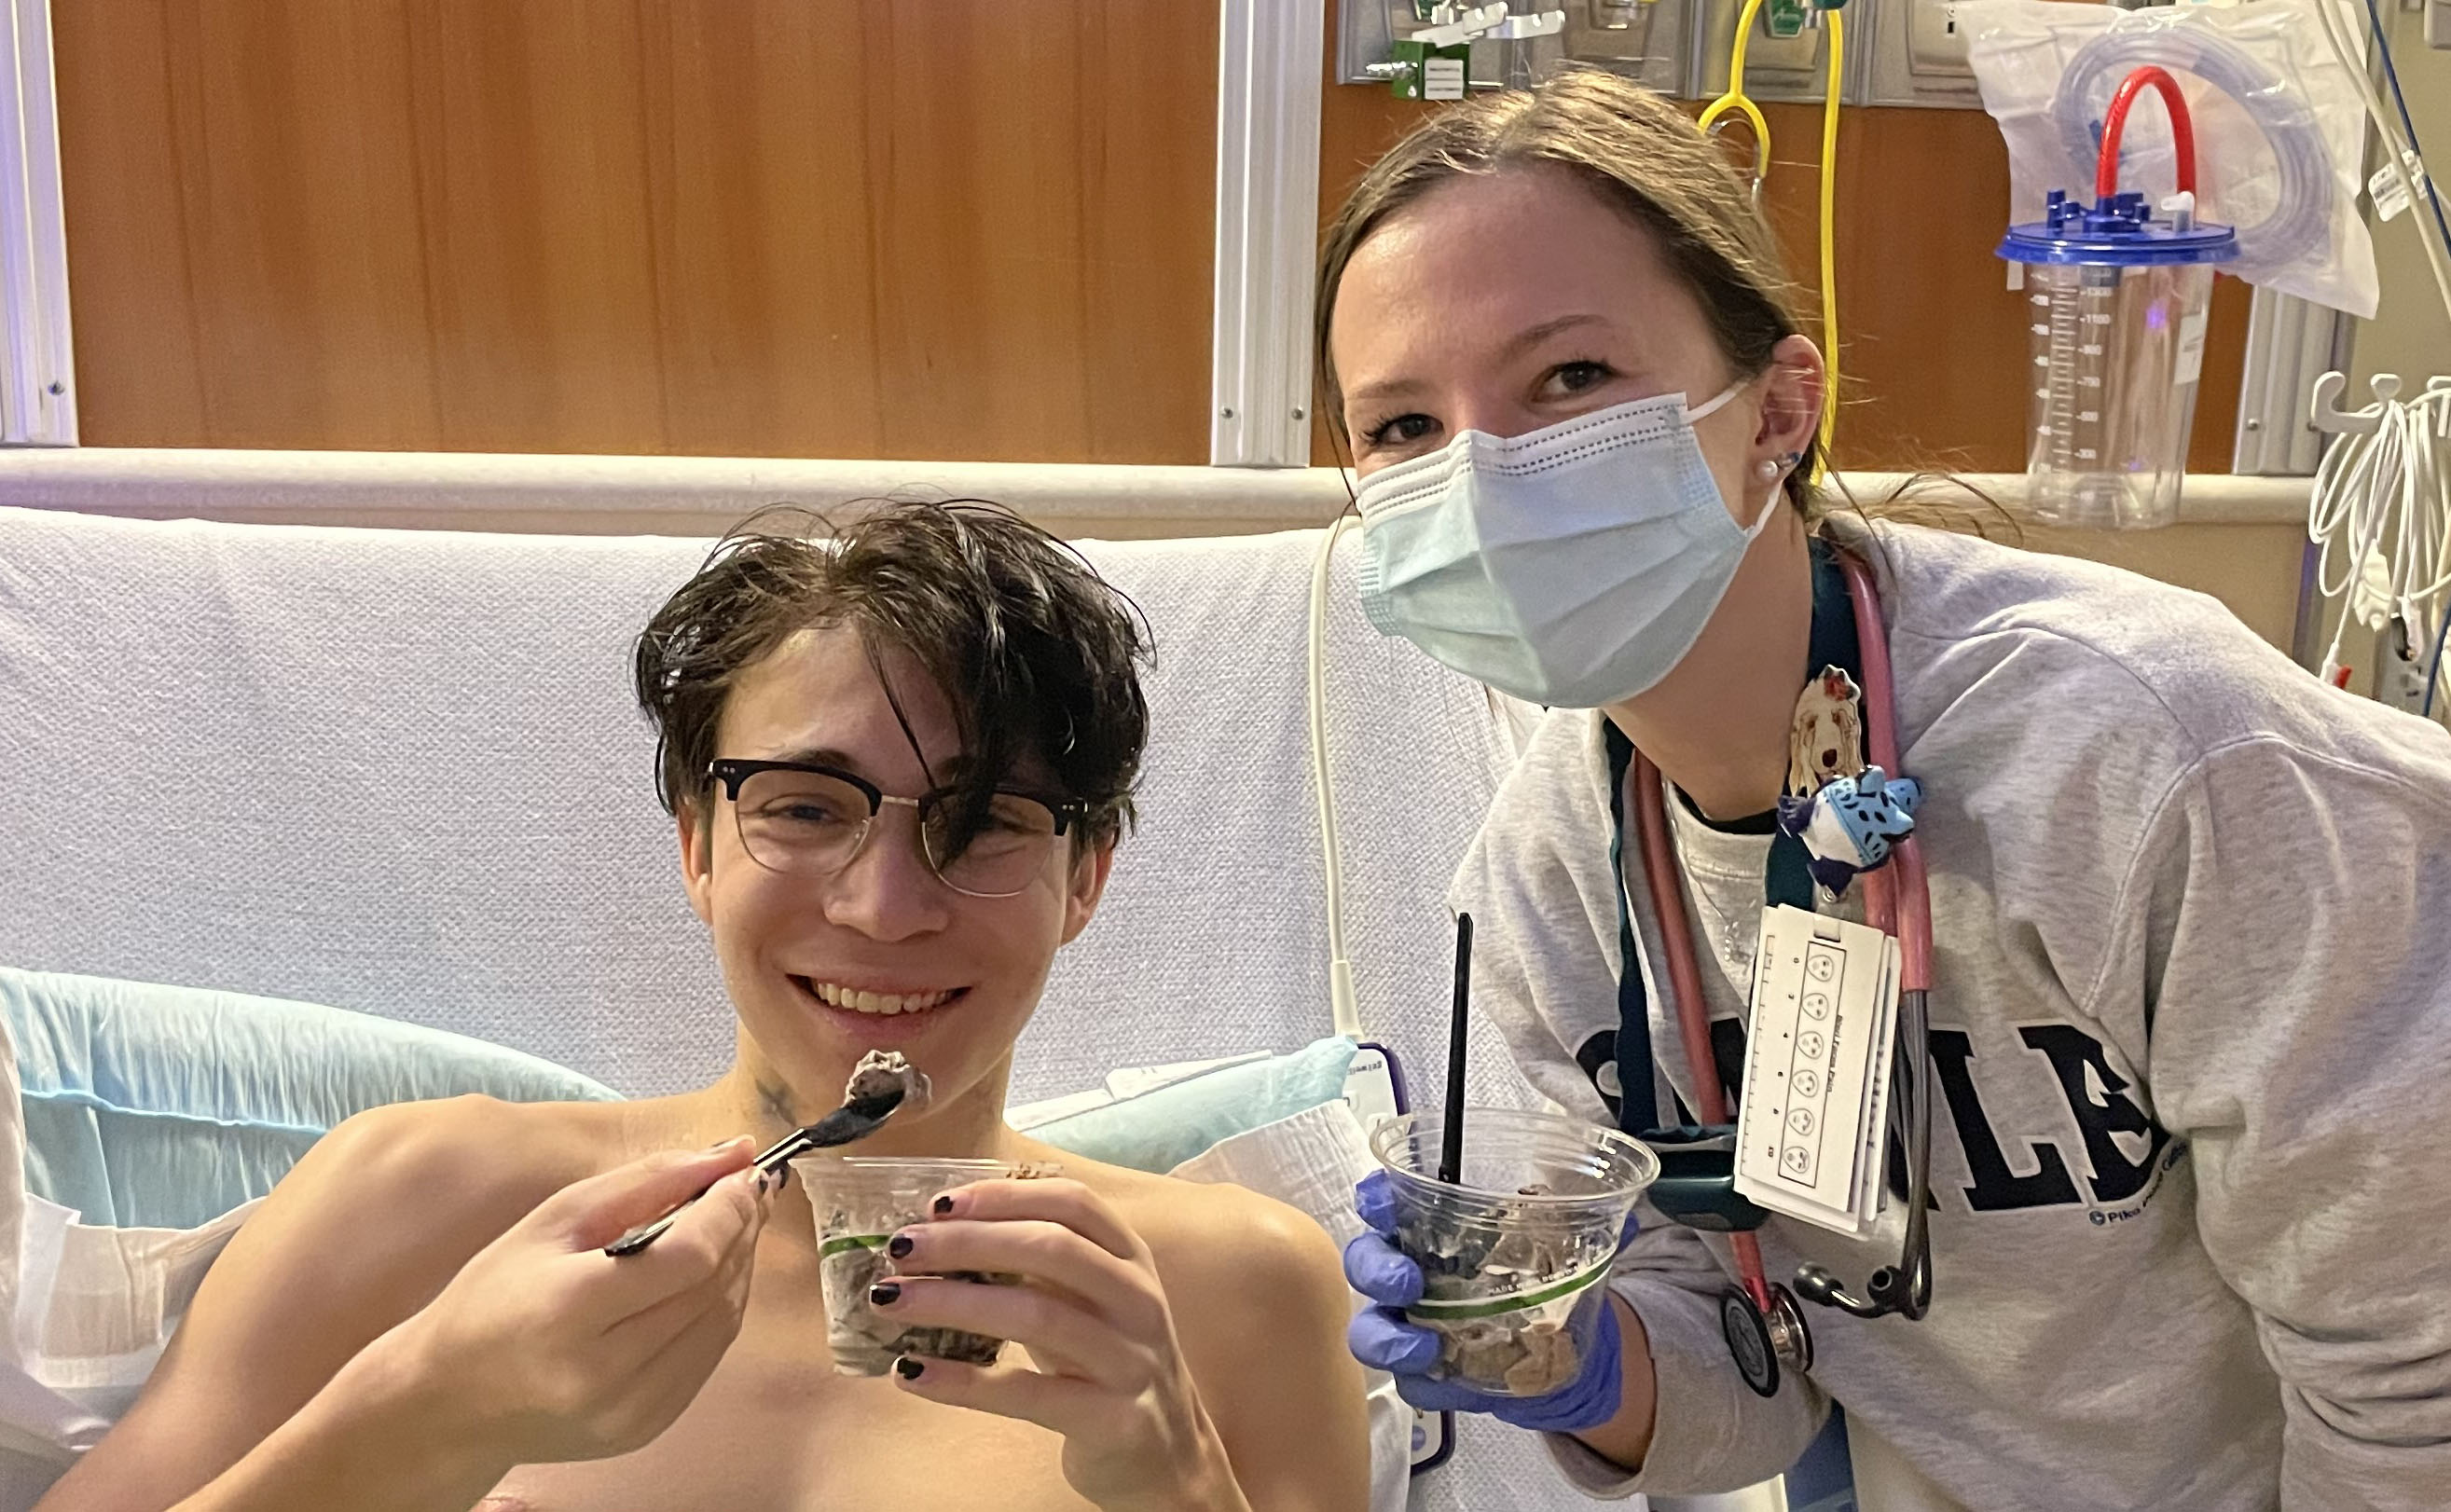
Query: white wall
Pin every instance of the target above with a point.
(2411, 333)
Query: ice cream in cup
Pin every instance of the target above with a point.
(1515, 1253)
(859, 1203)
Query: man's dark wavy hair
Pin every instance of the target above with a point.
(1037, 654)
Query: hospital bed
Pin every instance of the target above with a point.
(400, 771)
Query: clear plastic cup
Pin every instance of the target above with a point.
(1515, 1254)
(859, 1202)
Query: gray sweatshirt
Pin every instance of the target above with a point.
(2191, 1036)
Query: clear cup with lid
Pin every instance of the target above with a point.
(1516, 1252)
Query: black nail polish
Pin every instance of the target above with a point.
(908, 1368)
(884, 1293)
(942, 1206)
(898, 1248)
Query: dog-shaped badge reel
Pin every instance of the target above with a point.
(1849, 815)
(1827, 740)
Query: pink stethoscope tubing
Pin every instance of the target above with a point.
(1903, 875)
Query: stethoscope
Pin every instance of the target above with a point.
(1765, 1329)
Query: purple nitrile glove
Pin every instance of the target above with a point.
(1380, 1338)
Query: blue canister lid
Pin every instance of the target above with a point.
(2119, 231)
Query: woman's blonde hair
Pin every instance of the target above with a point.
(1636, 150)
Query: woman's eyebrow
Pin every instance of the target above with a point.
(1389, 388)
(1532, 336)
(1516, 345)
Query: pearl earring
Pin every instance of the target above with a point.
(1769, 469)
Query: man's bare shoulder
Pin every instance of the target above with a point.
(1210, 1232)
(448, 1174)
(1222, 1250)
(364, 1231)
(387, 1209)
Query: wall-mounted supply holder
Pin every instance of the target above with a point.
(1906, 52)
(1413, 48)
(1434, 62)
(1918, 56)
(1788, 57)
(1647, 40)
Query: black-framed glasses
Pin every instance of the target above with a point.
(806, 820)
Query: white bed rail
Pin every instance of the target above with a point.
(700, 496)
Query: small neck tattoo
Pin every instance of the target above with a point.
(776, 1101)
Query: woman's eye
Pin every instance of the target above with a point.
(1575, 378)
(1401, 431)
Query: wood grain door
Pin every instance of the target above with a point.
(800, 227)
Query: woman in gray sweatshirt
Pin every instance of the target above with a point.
(2190, 1049)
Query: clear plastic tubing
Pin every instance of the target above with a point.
(2301, 223)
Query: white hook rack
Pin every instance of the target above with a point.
(1485, 23)
(1454, 24)
(2325, 414)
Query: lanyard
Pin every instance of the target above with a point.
(1766, 1331)
(1834, 643)
(1763, 1325)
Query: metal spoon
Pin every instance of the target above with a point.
(854, 1120)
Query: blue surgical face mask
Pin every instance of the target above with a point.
(1573, 566)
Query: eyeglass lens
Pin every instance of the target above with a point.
(808, 824)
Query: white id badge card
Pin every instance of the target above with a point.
(1808, 1124)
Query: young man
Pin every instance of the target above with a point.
(898, 763)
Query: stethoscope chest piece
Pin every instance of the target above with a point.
(1762, 1344)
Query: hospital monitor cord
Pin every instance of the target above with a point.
(1342, 1011)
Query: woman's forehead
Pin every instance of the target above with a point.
(1494, 252)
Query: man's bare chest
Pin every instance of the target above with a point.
(775, 1430)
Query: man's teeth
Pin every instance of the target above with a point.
(877, 1002)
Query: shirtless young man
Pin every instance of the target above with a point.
(422, 1318)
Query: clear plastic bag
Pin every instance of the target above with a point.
(2279, 126)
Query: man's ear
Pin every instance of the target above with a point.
(1087, 884)
(697, 859)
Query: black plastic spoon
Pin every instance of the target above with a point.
(854, 1120)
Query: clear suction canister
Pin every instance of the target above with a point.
(2117, 303)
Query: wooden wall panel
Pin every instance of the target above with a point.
(788, 228)
(1932, 343)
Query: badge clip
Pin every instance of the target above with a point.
(1851, 825)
